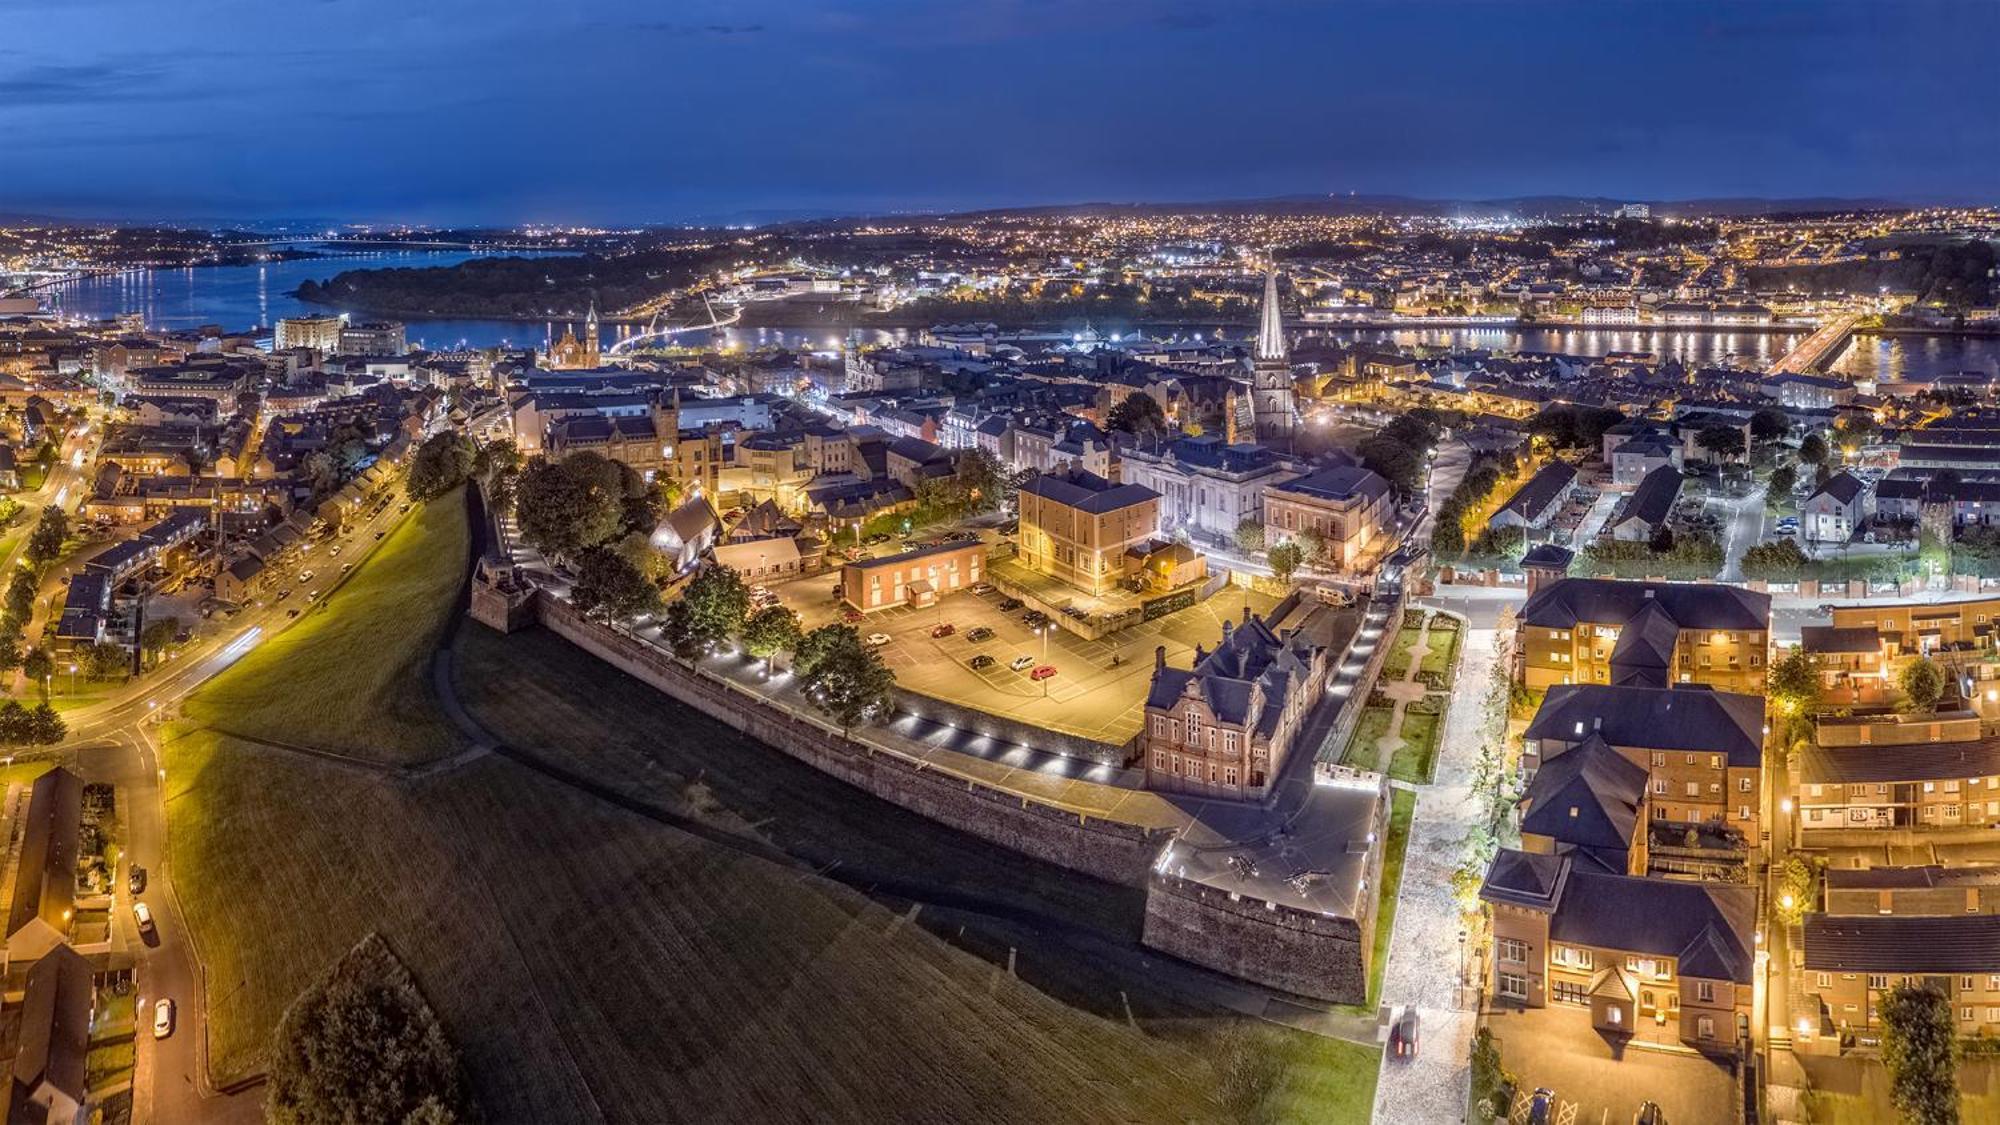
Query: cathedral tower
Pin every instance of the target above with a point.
(1273, 401)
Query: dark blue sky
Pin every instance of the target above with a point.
(601, 110)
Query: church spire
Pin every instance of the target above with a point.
(590, 318)
(1271, 329)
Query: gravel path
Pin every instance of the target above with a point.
(1424, 950)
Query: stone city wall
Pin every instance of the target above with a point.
(1309, 954)
(1012, 730)
(1117, 851)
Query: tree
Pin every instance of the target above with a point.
(39, 666)
(1812, 450)
(47, 540)
(21, 591)
(1781, 561)
(609, 585)
(1250, 536)
(1721, 442)
(1923, 684)
(361, 1044)
(982, 478)
(1919, 1044)
(1313, 544)
(1794, 683)
(769, 631)
(1784, 478)
(159, 633)
(1285, 559)
(102, 660)
(844, 679)
(711, 610)
(1137, 413)
(443, 462)
(1399, 464)
(564, 508)
(1765, 425)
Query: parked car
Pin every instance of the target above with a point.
(853, 617)
(1542, 1107)
(163, 1018)
(1020, 663)
(1649, 1113)
(305, 576)
(982, 662)
(980, 635)
(1827, 609)
(1043, 672)
(1009, 605)
(1403, 1034)
(136, 881)
(380, 534)
(877, 640)
(1034, 619)
(981, 588)
(143, 916)
(943, 629)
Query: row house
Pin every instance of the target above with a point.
(1918, 786)
(1662, 961)
(1853, 961)
(1911, 627)
(1923, 889)
(1649, 634)
(1702, 751)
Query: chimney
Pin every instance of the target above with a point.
(1225, 632)
(1198, 654)
(1160, 657)
(1246, 613)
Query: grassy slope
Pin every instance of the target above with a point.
(1402, 806)
(353, 674)
(589, 960)
(1362, 751)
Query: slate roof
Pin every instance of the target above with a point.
(1542, 489)
(1088, 492)
(1549, 556)
(1587, 797)
(1931, 761)
(1525, 878)
(1565, 603)
(1709, 927)
(1831, 639)
(1903, 943)
(55, 1033)
(1911, 878)
(1246, 680)
(1643, 655)
(1338, 482)
(1843, 487)
(1649, 718)
(1653, 500)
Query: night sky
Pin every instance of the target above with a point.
(537, 110)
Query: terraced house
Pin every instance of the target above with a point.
(1702, 751)
(1644, 634)
(1851, 961)
(1665, 961)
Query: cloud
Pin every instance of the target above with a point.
(77, 85)
(701, 29)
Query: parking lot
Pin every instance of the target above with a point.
(1099, 687)
(1597, 1084)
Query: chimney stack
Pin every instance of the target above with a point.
(1160, 657)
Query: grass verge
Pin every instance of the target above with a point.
(1362, 749)
(1402, 806)
(1416, 757)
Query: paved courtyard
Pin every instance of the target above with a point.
(1099, 689)
(1594, 1083)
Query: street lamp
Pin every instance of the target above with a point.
(72, 679)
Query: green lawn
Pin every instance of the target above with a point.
(1402, 806)
(631, 948)
(1416, 758)
(109, 1060)
(365, 651)
(1396, 665)
(1871, 1103)
(1443, 652)
(1362, 752)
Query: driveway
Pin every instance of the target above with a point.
(1555, 1047)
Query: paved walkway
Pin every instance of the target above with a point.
(1425, 955)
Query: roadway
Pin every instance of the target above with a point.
(112, 740)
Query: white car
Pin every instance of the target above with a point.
(143, 916)
(1021, 662)
(163, 1018)
(877, 640)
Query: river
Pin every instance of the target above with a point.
(242, 296)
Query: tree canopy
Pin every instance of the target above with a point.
(443, 462)
(845, 679)
(1285, 559)
(609, 584)
(362, 1044)
(1919, 1044)
(566, 507)
(1922, 682)
(1137, 413)
(711, 610)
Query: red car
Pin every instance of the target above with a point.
(944, 630)
(1042, 672)
(854, 617)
